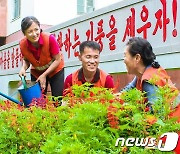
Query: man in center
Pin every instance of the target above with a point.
(89, 72)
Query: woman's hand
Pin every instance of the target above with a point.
(25, 66)
(52, 67)
(42, 80)
(22, 72)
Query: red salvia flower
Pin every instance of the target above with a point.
(82, 94)
(91, 94)
(111, 101)
(147, 109)
(113, 119)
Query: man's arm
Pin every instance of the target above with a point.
(131, 85)
(67, 84)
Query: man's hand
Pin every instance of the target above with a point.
(117, 94)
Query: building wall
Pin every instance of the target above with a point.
(110, 20)
(55, 11)
(62, 10)
(47, 12)
(27, 8)
(104, 3)
(3, 18)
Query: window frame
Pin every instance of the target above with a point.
(84, 7)
(16, 9)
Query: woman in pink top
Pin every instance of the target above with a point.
(41, 50)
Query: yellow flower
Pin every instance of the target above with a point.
(151, 119)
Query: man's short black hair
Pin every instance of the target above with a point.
(91, 44)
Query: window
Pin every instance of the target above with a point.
(85, 6)
(15, 9)
(80, 6)
(89, 6)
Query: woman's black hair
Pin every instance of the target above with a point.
(27, 22)
(138, 45)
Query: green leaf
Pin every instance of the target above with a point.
(160, 122)
(137, 118)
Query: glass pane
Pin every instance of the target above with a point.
(90, 6)
(80, 6)
(16, 8)
(90, 3)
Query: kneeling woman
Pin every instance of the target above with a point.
(140, 61)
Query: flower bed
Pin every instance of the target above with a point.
(90, 122)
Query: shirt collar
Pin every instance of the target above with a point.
(82, 78)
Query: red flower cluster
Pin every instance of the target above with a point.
(113, 119)
(147, 109)
(39, 102)
(7, 105)
(68, 92)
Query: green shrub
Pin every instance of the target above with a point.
(91, 122)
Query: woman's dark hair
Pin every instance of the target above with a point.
(138, 45)
(91, 44)
(27, 22)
